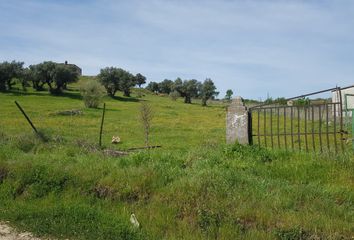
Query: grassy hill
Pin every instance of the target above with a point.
(194, 187)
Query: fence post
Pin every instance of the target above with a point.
(101, 128)
(237, 123)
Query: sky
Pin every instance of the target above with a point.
(261, 48)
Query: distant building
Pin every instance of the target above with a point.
(347, 94)
(79, 70)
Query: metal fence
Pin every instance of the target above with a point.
(312, 126)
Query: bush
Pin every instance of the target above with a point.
(174, 95)
(92, 93)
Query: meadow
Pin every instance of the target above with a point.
(193, 187)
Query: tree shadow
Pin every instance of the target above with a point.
(127, 99)
(25, 93)
(72, 95)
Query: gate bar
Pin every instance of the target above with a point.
(313, 128)
(334, 127)
(292, 127)
(327, 134)
(278, 128)
(285, 142)
(271, 127)
(341, 118)
(265, 127)
(307, 149)
(320, 126)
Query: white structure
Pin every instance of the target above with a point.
(347, 100)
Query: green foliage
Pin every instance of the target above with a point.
(207, 91)
(187, 89)
(116, 79)
(165, 86)
(153, 87)
(140, 79)
(9, 71)
(229, 94)
(302, 102)
(294, 234)
(92, 93)
(55, 75)
(174, 95)
(63, 74)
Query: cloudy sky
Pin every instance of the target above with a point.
(280, 48)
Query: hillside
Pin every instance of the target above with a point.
(194, 187)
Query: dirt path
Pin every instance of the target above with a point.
(8, 233)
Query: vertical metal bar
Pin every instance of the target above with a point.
(259, 138)
(327, 128)
(278, 127)
(353, 129)
(285, 142)
(320, 126)
(292, 126)
(298, 127)
(313, 127)
(265, 127)
(341, 119)
(306, 144)
(335, 127)
(102, 120)
(250, 128)
(271, 127)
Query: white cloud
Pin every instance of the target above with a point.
(253, 47)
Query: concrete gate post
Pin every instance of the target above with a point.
(237, 123)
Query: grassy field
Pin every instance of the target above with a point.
(194, 187)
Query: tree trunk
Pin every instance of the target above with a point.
(187, 99)
(204, 102)
(126, 93)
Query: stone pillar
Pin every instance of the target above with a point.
(237, 122)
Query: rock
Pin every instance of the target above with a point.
(134, 221)
(115, 139)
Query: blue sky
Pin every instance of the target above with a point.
(280, 48)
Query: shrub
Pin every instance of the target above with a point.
(174, 95)
(92, 93)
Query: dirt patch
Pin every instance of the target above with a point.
(9, 233)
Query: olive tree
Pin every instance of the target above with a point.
(9, 72)
(207, 91)
(116, 79)
(153, 87)
(140, 79)
(187, 89)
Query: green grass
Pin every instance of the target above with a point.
(194, 187)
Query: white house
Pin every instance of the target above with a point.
(347, 100)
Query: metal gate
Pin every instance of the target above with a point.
(299, 123)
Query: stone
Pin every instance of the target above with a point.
(134, 221)
(237, 122)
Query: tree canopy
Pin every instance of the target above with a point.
(208, 91)
(229, 94)
(116, 79)
(9, 72)
(187, 89)
(55, 75)
(140, 79)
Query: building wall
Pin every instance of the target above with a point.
(350, 100)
